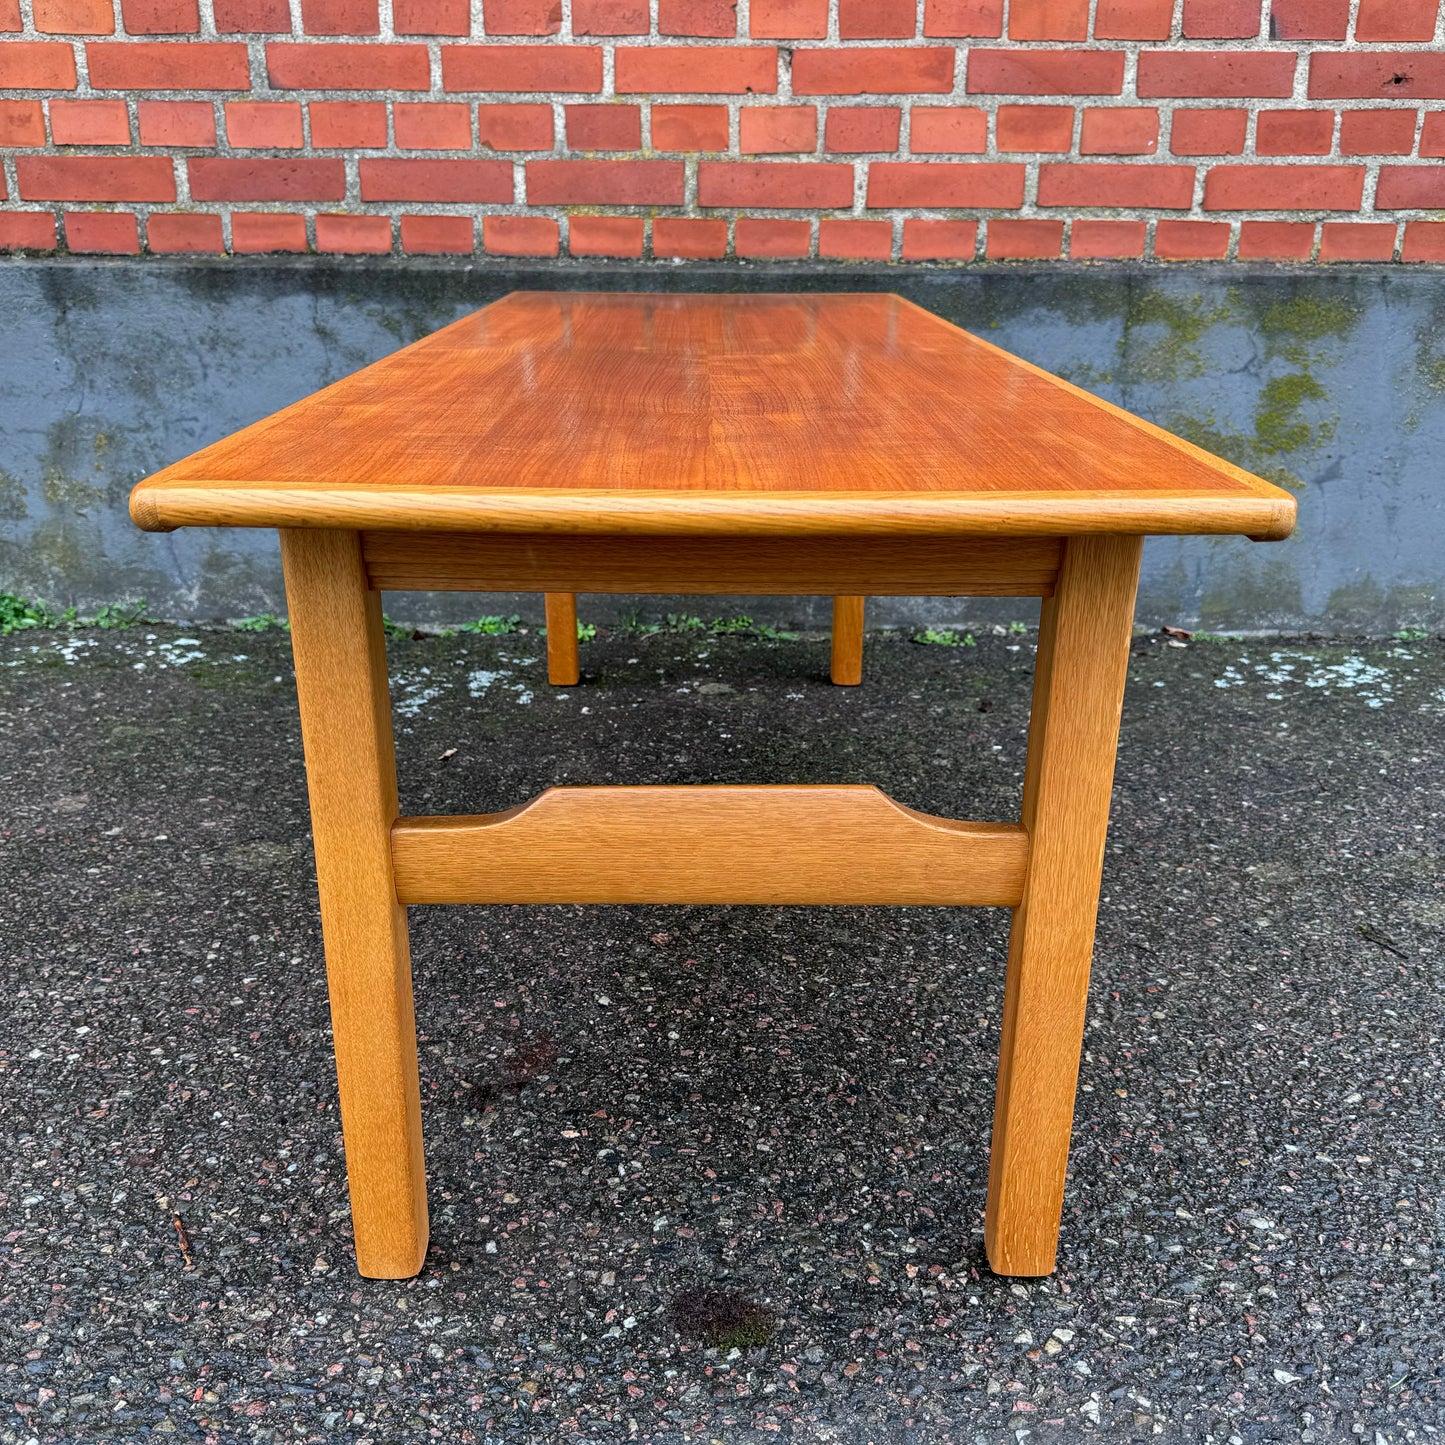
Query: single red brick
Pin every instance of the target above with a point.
(1357, 241)
(939, 240)
(855, 240)
(785, 185)
(757, 237)
(1294, 132)
(74, 17)
(1156, 187)
(160, 17)
(701, 70)
(1378, 75)
(1276, 240)
(787, 19)
(1378, 132)
(777, 130)
(340, 17)
(1424, 241)
(95, 178)
(605, 183)
(715, 18)
(10, 20)
(1107, 240)
(385, 179)
(522, 17)
(1409, 188)
(1049, 20)
(353, 235)
(874, 70)
(1432, 134)
(1208, 132)
(431, 125)
(977, 19)
(1191, 241)
(348, 124)
(1034, 128)
(689, 239)
(22, 123)
(515, 127)
(1133, 19)
(168, 65)
(1284, 188)
(256, 231)
(604, 235)
(166, 234)
(320, 66)
(437, 235)
(1216, 73)
(1309, 19)
(1119, 131)
(103, 233)
(1221, 19)
(866, 128)
(1394, 20)
(1020, 240)
(256, 178)
(264, 124)
(611, 17)
(177, 123)
(431, 17)
(235, 17)
(689, 127)
(576, 68)
(519, 235)
(945, 183)
(27, 231)
(1046, 72)
(89, 123)
(37, 65)
(604, 127)
(946, 130)
(877, 19)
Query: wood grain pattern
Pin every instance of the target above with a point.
(750, 566)
(336, 634)
(846, 667)
(636, 412)
(775, 844)
(562, 665)
(1073, 732)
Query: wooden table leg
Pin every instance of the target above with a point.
(1073, 733)
(562, 667)
(336, 634)
(847, 669)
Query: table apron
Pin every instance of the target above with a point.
(747, 566)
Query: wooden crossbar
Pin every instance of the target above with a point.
(709, 844)
(744, 566)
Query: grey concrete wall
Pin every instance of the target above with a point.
(1332, 382)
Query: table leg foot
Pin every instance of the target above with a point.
(1073, 733)
(847, 668)
(337, 638)
(562, 666)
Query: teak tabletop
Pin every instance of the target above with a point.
(839, 444)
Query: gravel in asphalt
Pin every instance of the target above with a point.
(711, 1174)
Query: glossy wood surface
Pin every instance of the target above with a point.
(846, 664)
(752, 566)
(563, 667)
(736, 414)
(709, 844)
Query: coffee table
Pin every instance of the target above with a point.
(841, 444)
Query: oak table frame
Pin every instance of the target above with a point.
(840, 444)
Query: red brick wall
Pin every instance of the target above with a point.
(942, 130)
